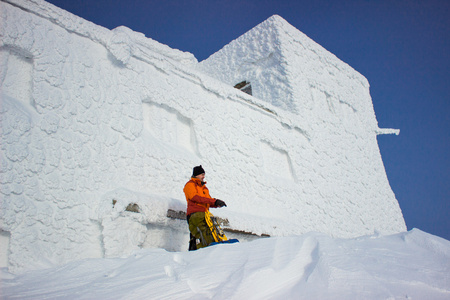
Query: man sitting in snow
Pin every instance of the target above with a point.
(198, 202)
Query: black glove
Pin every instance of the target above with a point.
(219, 203)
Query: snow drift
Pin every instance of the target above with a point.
(94, 120)
(410, 265)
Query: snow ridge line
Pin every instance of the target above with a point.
(100, 34)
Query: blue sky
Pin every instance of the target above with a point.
(401, 46)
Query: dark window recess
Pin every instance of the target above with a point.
(133, 207)
(244, 86)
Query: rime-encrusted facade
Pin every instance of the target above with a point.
(94, 120)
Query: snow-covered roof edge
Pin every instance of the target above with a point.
(283, 24)
(331, 58)
(320, 50)
(122, 42)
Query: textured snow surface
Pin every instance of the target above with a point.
(94, 120)
(410, 265)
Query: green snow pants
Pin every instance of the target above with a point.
(200, 230)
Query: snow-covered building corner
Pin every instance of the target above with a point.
(100, 130)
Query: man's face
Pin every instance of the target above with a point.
(201, 177)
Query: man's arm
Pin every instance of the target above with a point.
(191, 193)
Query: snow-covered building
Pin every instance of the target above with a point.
(100, 130)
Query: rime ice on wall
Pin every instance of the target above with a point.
(93, 120)
(335, 159)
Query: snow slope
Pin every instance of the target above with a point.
(410, 265)
(94, 120)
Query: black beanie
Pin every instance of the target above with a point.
(197, 171)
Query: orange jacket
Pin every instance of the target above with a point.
(197, 196)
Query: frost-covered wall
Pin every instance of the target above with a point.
(94, 120)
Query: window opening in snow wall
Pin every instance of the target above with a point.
(244, 86)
